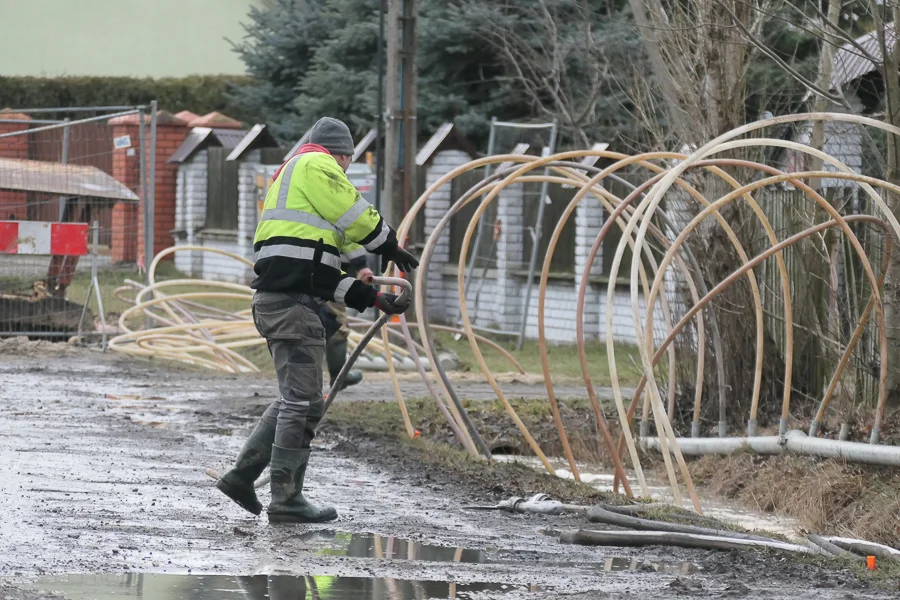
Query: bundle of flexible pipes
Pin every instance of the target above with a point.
(193, 327)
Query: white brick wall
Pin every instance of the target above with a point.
(559, 308)
(190, 216)
(501, 301)
(190, 210)
(217, 266)
(248, 212)
(435, 209)
(510, 257)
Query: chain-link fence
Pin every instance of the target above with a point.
(86, 166)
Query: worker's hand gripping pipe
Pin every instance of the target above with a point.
(405, 293)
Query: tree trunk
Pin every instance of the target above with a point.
(892, 284)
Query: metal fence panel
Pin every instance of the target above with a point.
(84, 168)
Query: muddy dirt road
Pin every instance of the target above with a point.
(103, 496)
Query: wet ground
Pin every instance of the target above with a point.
(104, 496)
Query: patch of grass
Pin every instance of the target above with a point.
(563, 358)
(111, 279)
(382, 423)
(825, 496)
(490, 419)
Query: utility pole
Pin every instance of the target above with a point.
(410, 98)
(392, 111)
(400, 113)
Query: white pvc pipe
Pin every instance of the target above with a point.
(796, 442)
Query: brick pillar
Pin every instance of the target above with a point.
(126, 169)
(442, 297)
(127, 218)
(589, 220)
(510, 252)
(13, 204)
(170, 133)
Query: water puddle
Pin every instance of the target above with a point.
(260, 587)
(370, 545)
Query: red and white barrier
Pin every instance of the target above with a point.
(43, 238)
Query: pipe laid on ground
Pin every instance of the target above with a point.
(598, 514)
(588, 537)
(818, 541)
(795, 441)
(643, 509)
(864, 547)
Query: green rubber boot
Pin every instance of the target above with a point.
(288, 504)
(237, 483)
(336, 356)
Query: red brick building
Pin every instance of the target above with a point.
(128, 221)
(13, 204)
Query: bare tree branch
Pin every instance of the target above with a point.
(837, 99)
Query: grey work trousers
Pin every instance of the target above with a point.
(296, 340)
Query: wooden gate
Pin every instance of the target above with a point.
(221, 191)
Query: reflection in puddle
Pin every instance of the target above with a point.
(260, 587)
(370, 545)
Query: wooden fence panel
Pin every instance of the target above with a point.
(222, 191)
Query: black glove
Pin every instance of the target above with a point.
(405, 261)
(390, 303)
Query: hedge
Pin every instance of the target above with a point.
(198, 93)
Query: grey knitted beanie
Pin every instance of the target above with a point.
(333, 135)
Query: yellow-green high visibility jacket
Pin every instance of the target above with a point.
(353, 258)
(310, 213)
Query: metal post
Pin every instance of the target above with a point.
(492, 141)
(63, 160)
(536, 239)
(94, 285)
(150, 223)
(142, 162)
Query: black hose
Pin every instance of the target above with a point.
(598, 514)
(833, 549)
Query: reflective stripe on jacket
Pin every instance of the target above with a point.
(353, 258)
(311, 212)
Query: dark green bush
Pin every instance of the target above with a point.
(198, 93)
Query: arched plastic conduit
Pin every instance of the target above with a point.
(625, 161)
(422, 281)
(694, 267)
(508, 180)
(820, 200)
(701, 345)
(838, 220)
(857, 247)
(722, 286)
(653, 198)
(723, 162)
(420, 288)
(531, 165)
(731, 162)
(496, 190)
(747, 188)
(471, 165)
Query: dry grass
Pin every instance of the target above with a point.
(825, 496)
